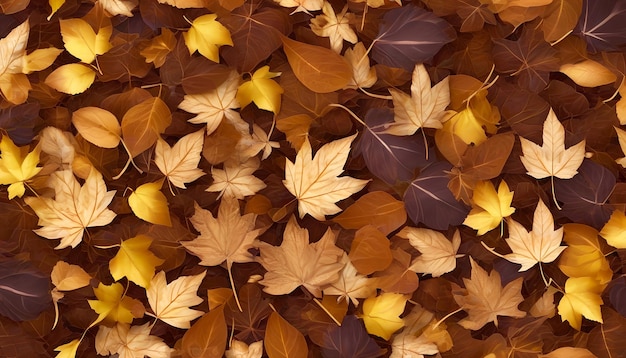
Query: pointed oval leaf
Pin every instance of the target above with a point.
(207, 337)
(73, 78)
(143, 123)
(282, 340)
(377, 208)
(370, 251)
(148, 203)
(98, 126)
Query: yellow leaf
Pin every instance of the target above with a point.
(381, 314)
(39, 59)
(583, 256)
(135, 261)
(67, 277)
(67, 350)
(438, 254)
(588, 73)
(143, 123)
(97, 126)
(148, 203)
(582, 298)
(621, 136)
(206, 35)
(17, 166)
(13, 48)
(614, 231)
(170, 302)
(489, 207)
(236, 180)
(112, 306)
(296, 262)
(552, 159)
(425, 108)
(82, 42)
(15, 87)
(74, 208)
(159, 47)
(261, 90)
(73, 78)
(179, 163)
(314, 181)
(569, 352)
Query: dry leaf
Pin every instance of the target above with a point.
(97, 126)
(438, 254)
(112, 305)
(282, 339)
(236, 179)
(130, 342)
(334, 26)
(363, 76)
(351, 285)
(67, 277)
(179, 163)
(171, 302)
(82, 42)
(588, 73)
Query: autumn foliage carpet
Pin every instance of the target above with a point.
(312, 178)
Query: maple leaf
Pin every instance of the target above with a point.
(424, 108)
(314, 181)
(261, 90)
(582, 298)
(485, 299)
(135, 261)
(170, 302)
(296, 262)
(489, 207)
(236, 179)
(351, 285)
(180, 162)
(130, 342)
(159, 47)
(73, 209)
(17, 166)
(363, 76)
(213, 106)
(113, 306)
(336, 27)
(539, 245)
(119, 7)
(438, 254)
(381, 314)
(422, 335)
(68, 350)
(302, 5)
(206, 35)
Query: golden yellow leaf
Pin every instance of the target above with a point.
(489, 207)
(55, 5)
(39, 59)
(381, 314)
(148, 203)
(261, 90)
(569, 352)
(17, 166)
(67, 277)
(113, 306)
(334, 26)
(614, 231)
(98, 126)
(206, 35)
(170, 302)
(15, 87)
(314, 181)
(159, 47)
(582, 298)
(82, 42)
(297, 263)
(74, 208)
(135, 261)
(583, 256)
(179, 163)
(236, 180)
(438, 254)
(588, 73)
(67, 350)
(73, 78)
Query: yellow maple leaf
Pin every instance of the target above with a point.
(261, 90)
(485, 299)
(438, 254)
(542, 244)
(381, 314)
(148, 203)
(82, 42)
(614, 231)
(179, 163)
(113, 306)
(206, 35)
(68, 350)
(17, 166)
(170, 302)
(424, 108)
(490, 207)
(314, 181)
(296, 262)
(334, 26)
(159, 47)
(582, 298)
(236, 180)
(74, 208)
(135, 261)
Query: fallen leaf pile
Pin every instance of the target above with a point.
(312, 178)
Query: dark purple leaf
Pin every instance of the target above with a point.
(617, 295)
(429, 201)
(350, 340)
(24, 290)
(20, 122)
(391, 158)
(601, 24)
(410, 35)
(584, 196)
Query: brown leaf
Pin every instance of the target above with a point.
(370, 250)
(207, 337)
(376, 208)
(282, 339)
(143, 123)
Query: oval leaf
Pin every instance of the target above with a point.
(282, 340)
(73, 78)
(377, 208)
(370, 251)
(207, 337)
(143, 123)
(148, 203)
(98, 126)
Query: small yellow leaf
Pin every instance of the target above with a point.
(73, 78)
(82, 42)
(67, 350)
(148, 203)
(583, 256)
(135, 261)
(588, 73)
(39, 59)
(490, 207)
(614, 231)
(206, 35)
(67, 277)
(582, 298)
(98, 126)
(381, 314)
(17, 166)
(112, 306)
(159, 47)
(261, 90)
(55, 5)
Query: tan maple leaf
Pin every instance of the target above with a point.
(74, 208)
(180, 162)
(170, 302)
(485, 299)
(542, 244)
(363, 76)
(302, 5)
(351, 284)
(130, 342)
(236, 180)
(296, 262)
(334, 26)
(314, 181)
(438, 254)
(119, 7)
(424, 108)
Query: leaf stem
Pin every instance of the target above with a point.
(337, 105)
(374, 95)
(232, 285)
(447, 316)
(554, 194)
(327, 311)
